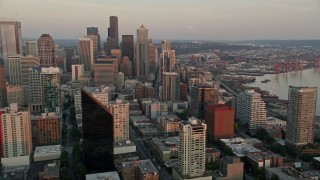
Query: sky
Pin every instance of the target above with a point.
(170, 19)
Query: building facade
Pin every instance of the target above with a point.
(46, 50)
(14, 70)
(77, 72)
(105, 71)
(86, 53)
(142, 52)
(48, 129)
(170, 86)
(128, 48)
(27, 62)
(32, 48)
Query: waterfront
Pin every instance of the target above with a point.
(279, 83)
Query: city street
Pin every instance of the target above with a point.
(69, 145)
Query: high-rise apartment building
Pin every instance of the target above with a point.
(94, 31)
(16, 138)
(32, 48)
(251, 109)
(192, 149)
(44, 89)
(170, 86)
(105, 71)
(77, 72)
(48, 129)
(301, 115)
(128, 47)
(27, 62)
(201, 96)
(120, 112)
(220, 121)
(86, 53)
(97, 128)
(14, 70)
(46, 50)
(126, 67)
(142, 52)
(69, 54)
(11, 39)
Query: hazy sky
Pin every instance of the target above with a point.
(170, 19)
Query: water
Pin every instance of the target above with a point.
(280, 83)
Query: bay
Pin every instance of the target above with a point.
(279, 83)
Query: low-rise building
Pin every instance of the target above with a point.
(169, 124)
(231, 168)
(140, 120)
(285, 173)
(106, 175)
(149, 131)
(124, 147)
(44, 153)
(261, 160)
(165, 148)
(51, 171)
(212, 155)
(147, 171)
(239, 147)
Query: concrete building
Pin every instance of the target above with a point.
(142, 52)
(165, 148)
(14, 70)
(46, 153)
(144, 91)
(169, 124)
(95, 41)
(147, 171)
(192, 149)
(46, 51)
(170, 86)
(240, 147)
(16, 138)
(289, 173)
(120, 112)
(112, 175)
(48, 129)
(3, 89)
(51, 171)
(251, 109)
(212, 155)
(77, 72)
(301, 115)
(201, 97)
(124, 147)
(27, 62)
(113, 30)
(183, 92)
(261, 160)
(94, 31)
(168, 60)
(220, 121)
(16, 94)
(231, 168)
(86, 54)
(117, 53)
(128, 49)
(11, 39)
(126, 67)
(105, 71)
(153, 57)
(32, 48)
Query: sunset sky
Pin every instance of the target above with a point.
(175, 19)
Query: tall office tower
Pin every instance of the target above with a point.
(86, 54)
(46, 50)
(105, 71)
(97, 128)
(168, 59)
(201, 96)
(32, 48)
(48, 129)
(113, 31)
(153, 57)
(251, 109)
(44, 89)
(95, 32)
(69, 54)
(220, 121)
(183, 92)
(301, 115)
(117, 53)
(27, 62)
(165, 46)
(170, 86)
(192, 149)
(3, 91)
(77, 72)
(16, 138)
(142, 52)
(109, 45)
(120, 112)
(126, 67)
(95, 45)
(14, 70)
(11, 39)
(128, 47)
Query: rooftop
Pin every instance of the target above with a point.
(166, 144)
(103, 176)
(47, 150)
(51, 170)
(239, 146)
(147, 167)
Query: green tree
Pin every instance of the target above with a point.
(212, 166)
(80, 170)
(64, 158)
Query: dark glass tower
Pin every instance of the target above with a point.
(97, 125)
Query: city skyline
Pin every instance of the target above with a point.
(209, 20)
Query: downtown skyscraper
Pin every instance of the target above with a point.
(46, 51)
(301, 115)
(113, 36)
(142, 52)
(3, 90)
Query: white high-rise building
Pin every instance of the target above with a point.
(142, 52)
(251, 109)
(120, 112)
(77, 72)
(192, 149)
(15, 136)
(301, 115)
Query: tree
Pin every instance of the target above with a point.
(212, 166)
(79, 169)
(64, 158)
(184, 114)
